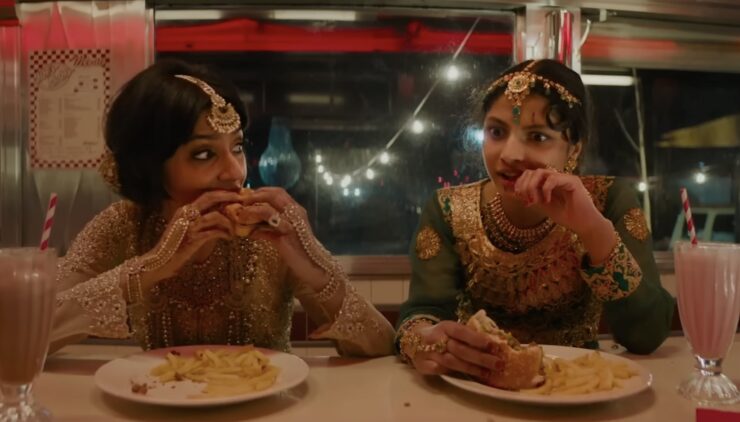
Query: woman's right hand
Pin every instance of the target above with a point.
(206, 223)
(467, 351)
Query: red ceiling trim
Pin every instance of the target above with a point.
(600, 47)
(251, 35)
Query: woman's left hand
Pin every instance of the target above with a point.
(561, 196)
(270, 204)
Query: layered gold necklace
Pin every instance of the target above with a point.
(506, 235)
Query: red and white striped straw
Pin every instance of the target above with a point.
(687, 214)
(48, 221)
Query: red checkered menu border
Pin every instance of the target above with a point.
(39, 59)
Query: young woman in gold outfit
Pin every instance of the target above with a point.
(165, 265)
(544, 251)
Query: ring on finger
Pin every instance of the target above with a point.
(437, 347)
(274, 220)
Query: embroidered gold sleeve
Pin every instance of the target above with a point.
(359, 329)
(89, 276)
(428, 243)
(634, 221)
(616, 278)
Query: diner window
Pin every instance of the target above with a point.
(362, 114)
(359, 115)
(692, 140)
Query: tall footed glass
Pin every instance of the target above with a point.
(27, 290)
(708, 280)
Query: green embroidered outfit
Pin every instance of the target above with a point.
(548, 293)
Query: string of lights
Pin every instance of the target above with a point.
(413, 124)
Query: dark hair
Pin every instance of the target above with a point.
(152, 115)
(573, 122)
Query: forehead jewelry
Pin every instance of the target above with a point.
(222, 118)
(519, 85)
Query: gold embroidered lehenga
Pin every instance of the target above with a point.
(242, 294)
(548, 292)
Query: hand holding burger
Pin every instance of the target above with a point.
(245, 221)
(522, 364)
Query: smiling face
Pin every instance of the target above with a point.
(207, 161)
(509, 149)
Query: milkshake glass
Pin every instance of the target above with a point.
(27, 289)
(708, 281)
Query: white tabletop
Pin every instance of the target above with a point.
(339, 389)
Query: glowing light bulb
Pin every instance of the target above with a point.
(479, 135)
(642, 186)
(384, 158)
(452, 73)
(417, 126)
(700, 177)
(370, 174)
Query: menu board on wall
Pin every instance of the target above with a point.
(69, 93)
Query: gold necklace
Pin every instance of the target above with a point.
(506, 235)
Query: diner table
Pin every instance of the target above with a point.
(380, 389)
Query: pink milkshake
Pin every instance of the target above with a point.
(708, 278)
(27, 290)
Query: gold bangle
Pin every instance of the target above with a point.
(410, 342)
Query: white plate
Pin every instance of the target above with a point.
(631, 386)
(116, 377)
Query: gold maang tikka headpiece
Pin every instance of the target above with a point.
(519, 85)
(223, 118)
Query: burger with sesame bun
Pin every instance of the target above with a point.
(523, 366)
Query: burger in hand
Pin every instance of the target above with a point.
(245, 222)
(523, 366)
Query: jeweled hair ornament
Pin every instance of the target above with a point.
(222, 118)
(519, 85)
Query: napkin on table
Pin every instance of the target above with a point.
(714, 415)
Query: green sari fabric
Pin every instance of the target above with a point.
(546, 293)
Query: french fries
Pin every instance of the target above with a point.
(225, 372)
(585, 374)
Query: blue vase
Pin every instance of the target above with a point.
(280, 164)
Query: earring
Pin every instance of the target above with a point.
(109, 170)
(571, 165)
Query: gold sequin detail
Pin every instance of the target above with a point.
(403, 335)
(357, 320)
(634, 221)
(598, 187)
(617, 277)
(242, 293)
(538, 294)
(428, 243)
(98, 248)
